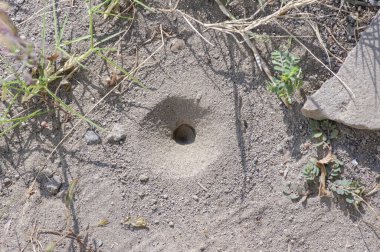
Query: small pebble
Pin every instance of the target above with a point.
(354, 162)
(98, 243)
(171, 224)
(44, 124)
(195, 197)
(165, 196)
(7, 182)
(91, 138)
(17, 176)
(378, 148)
(199, 97)
(279, 149)
(143, 178)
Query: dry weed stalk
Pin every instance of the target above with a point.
(243, 27)
(246, 25)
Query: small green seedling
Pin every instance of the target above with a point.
(351, 190)
(334, 169)
(311, 170)
(43, 79)
(324, 132)
(289, 76)
(295, 191)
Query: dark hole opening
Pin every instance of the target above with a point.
(184, 134)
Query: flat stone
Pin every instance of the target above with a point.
(98, 243)
(361, 73)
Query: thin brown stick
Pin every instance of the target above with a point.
(336, 41)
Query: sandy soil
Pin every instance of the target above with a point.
(219, 186)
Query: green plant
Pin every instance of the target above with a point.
(311, 170)
(351, 190)
(323, 131)
(296, 191)
(43, 79)
(334, 169)
(289, 75)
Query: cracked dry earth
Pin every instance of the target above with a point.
(202, 156)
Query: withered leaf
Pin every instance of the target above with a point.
(53, 57)
(103, 222)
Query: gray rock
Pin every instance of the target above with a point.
(171, 224)
(354, 162)
(53, 184)
(117, 134)
(91, 138)
(143, 178)
(98, 243)
(360, 72)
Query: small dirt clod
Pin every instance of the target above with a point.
(143, 178)
(117, 134)
(177, 45)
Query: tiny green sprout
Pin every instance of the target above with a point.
(311, 171)
(334, 169)
(289, 75)
(350, 190)
(295, 191)
(323, 131)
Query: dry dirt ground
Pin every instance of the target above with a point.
(220, 192)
